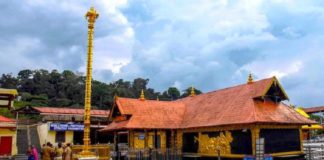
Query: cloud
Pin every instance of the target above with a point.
(214, 44)
(53, 35)
(207, 44)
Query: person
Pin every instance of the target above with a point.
(67, 155)
(47, 152)
(35, 152)
(30, 153)
(42, 150)
(59, 152)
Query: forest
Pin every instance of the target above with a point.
(66, 89)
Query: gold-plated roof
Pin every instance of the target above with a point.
(308, 127)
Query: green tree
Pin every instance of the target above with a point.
(187, 92)
(8, 81)
(173, 93)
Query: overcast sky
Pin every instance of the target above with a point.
(205, 43)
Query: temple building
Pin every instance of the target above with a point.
(8, 137)
(228, 122)
(8, 132)
(58, 124)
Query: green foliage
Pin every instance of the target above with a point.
(187, 92)
(317, 118)
(44, 88)
(6, 112)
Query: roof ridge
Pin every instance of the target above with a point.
(251, 99)
(226, 88)
(44, 107)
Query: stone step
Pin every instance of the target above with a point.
(22, 141)
(21, 157)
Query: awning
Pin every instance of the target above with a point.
(308, 127)
(7, 96)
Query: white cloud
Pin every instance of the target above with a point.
(208, 44)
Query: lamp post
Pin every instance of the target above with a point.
(91, 16)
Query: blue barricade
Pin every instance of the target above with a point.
(249, 158)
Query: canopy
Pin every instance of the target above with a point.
(7, 96)
(8, 92)
(308, 127)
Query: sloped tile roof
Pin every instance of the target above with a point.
(234, 105)
(74, 111)
(314, 109)
(5, 119)
(151, 114)
(7, 123)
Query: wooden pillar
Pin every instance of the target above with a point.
(172, 140)
(155, 139)
(115, 141)
(129, 139)
(179, 140)
(163, 139)
(255, 135)
(301, 137)
(145, 139)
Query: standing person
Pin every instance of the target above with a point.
(30, 153)
(67, 152)
(47, 152)
(59, 152)
(42, 150)
(35, 152)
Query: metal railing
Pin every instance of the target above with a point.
(101, 150)
(147, 154)
(314, 150)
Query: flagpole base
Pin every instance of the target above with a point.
(87, 155)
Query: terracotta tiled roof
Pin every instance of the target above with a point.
(234, 105)
(7, 123)
(5, 119)
(149, 114)
(74, 111)
(314, 109)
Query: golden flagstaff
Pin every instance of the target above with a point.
(91, 16)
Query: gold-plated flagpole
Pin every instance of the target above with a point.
(91, 16)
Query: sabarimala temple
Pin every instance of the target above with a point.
(230, 123)
(226, 122)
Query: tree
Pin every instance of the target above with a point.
(173, 93)
(139, 84)
(44, 88)
(187, 92)
(8, 81)
(25, 82)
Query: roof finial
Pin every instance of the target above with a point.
(192, 92)
(142, 97)
(250, 78)
(115, 96)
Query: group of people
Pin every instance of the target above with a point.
(61, 152)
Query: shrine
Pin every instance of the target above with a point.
(226, 122)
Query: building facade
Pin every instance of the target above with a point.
(65, 125)
(8, 129)
(226, 122)
(8, 138)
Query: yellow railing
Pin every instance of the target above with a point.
(101, 150)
